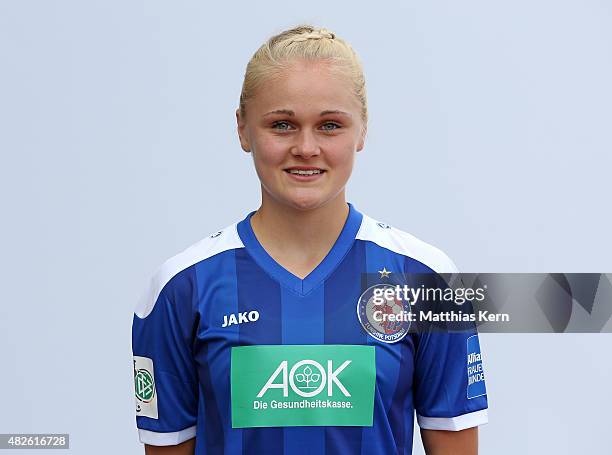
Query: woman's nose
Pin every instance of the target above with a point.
(306, 144)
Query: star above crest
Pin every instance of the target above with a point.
(384, 273)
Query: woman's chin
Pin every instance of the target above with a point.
(309, 202)
(303, 199)
(305, 202)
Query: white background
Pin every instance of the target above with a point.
(489, 138)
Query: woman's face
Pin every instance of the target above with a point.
(303, 128)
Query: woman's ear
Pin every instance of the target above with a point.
(241, 128)
(362, 136)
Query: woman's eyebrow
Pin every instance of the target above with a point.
(281, 111)
(336, 112)
(291, 113)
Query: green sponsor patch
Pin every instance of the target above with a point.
(297, 385)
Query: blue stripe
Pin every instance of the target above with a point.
(258, 291)
(222, 300)
(213, 390)
(389, 358)
(401, 424)
(213, 426)
(387, 354)
(201, 442)
(342, 290)
(303, 324)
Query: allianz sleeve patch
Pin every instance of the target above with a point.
(476, 380)
(144, 387)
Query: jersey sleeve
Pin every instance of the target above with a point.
(449, 381)
(450, 392)
(165, 375)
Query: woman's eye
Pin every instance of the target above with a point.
(286, 126)
(283, 126)
(330, 126)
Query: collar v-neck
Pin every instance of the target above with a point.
(329, 263)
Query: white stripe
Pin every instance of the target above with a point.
(205, 248)
(472, 419)
(166, 439)
(405, 244)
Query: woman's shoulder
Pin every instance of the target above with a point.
(406, 244)
(171, 271)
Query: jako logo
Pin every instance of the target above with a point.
(243, 317)
(306, 381)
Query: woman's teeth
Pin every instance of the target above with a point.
(300, 172)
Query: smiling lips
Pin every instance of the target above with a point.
(304, 172)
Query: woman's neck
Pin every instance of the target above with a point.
(299, 239)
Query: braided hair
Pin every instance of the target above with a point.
(303, 42)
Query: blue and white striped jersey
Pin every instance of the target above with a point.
(231, 348)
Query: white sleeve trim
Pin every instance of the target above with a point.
(166, 439)
(472, 419)
(224, 240)
(405, 244)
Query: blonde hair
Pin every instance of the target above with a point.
(303, 42)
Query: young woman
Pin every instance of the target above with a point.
(258, 339)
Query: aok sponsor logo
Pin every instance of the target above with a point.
(302, 385)
(306, 378)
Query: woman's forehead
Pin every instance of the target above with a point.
(311, 83)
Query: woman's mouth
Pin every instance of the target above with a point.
(304, 174)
